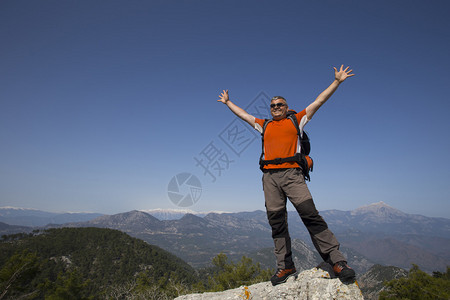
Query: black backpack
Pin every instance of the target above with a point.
(302, 158)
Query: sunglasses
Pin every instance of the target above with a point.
(279, 104)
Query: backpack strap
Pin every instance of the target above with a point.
(303, 137)
(266, 122)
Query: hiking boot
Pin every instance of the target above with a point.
(344, 272)
(282, 275)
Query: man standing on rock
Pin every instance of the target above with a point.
(285, 179)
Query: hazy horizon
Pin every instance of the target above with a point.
(181, 210)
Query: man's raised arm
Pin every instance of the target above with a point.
(224, 98)
(339, 77)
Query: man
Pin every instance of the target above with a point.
(286, 180)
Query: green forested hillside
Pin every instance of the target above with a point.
(418, 285)
(76, 263)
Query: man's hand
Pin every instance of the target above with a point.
(339, 77)
(342, 74)
(224, 97)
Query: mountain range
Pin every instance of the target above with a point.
(373, 234)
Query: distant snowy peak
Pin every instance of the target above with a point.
(379, 208)
(174, 214)
(12, 208)
(9, 211)
(379, 212)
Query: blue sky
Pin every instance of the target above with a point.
(102, 103)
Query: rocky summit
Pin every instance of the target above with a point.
(314, 284)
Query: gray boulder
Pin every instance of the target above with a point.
(314, 284)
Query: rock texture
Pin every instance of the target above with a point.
(314, 284)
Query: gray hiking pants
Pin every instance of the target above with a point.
(280, 184)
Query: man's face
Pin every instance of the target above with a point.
(278, 109)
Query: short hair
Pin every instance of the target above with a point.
(278, 97)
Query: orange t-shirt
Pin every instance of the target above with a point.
(281, 139)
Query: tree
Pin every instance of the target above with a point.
(418, 285)
(16, 275)
(68, 286)
(228, 275)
